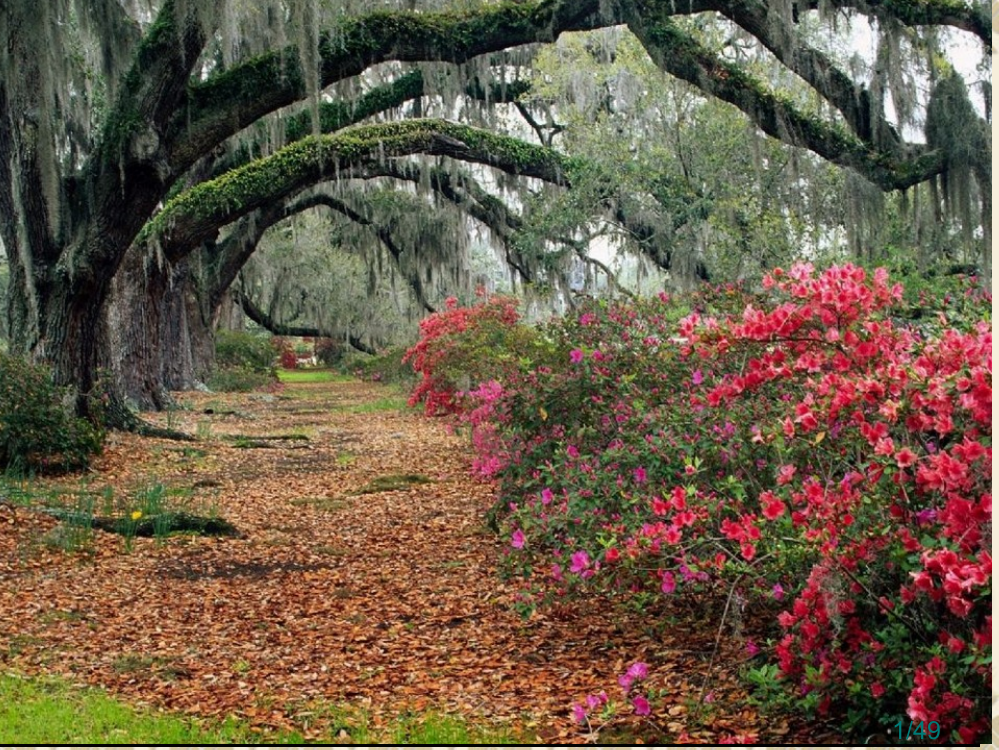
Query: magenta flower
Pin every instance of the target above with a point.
(697, 377)
(546, 496)
(669, 583)
(580, 561)
(641, 705)
(576, 356)
(778, 591)
(639, 670)
(518, 539)
(751, 648)
(594, 702)
(578, 713)
(640, 475)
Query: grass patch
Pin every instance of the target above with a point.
(45, 712)
(392, 483)
(313, 376)
(440, 729)
(48, 711)
(322, 503)
(385, 403)
(265, 441)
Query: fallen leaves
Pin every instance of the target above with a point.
(389, 600)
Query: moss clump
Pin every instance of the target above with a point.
(392, 483)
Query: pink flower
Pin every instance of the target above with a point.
(905, 457)
(640, 475)
(669, 583)
(580, 561)
(546, 496)
(639, 670)
(518, 539)
(697, 378)
(786, 473)
(778, 591)
(578, 713)
(596, 701)
(641, 704)
(751, 648)
(576, 356)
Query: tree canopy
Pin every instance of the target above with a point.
(148, 144)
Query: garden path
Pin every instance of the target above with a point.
(385, 602)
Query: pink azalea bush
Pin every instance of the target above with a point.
(477, 344)
(829, 462)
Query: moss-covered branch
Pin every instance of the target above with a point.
(197, 214)
(337, 115)
(861, 113)
(975, 18)
(230, 101)
(680, 55)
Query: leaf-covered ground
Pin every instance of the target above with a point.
(364, 579)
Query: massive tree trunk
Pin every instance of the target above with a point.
(160, 330)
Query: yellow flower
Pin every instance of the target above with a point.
(136, 515)
(543, 413)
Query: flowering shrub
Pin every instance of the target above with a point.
(802, 451)
(462, 347)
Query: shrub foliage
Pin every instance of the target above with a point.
(37, 432)
(803, 450)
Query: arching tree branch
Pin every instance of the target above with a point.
(680, 55)
(261, 318)
(197, 214)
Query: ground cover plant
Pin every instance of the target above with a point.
(803, 455)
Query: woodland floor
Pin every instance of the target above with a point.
(386, 603)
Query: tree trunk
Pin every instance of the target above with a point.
(160, 331)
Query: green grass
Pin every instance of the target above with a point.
(391, 483)
(46, 711)
(329, 504)
(385, 403)
(313, 376)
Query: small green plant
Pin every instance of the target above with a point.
(386, 367)
(75, 533)
(204, 429)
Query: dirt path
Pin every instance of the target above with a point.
(387, 602)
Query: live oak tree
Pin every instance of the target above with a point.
(125, 127)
